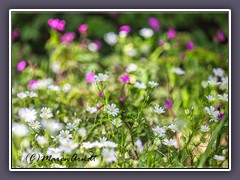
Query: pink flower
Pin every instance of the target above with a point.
(82, 28)
(31, 84)
(61, 25)
(90, 77)
(100, 94)
(68, 37)
(21, 65)
(171, 34)
(121, 99)
(57, 24)
(154, 23)
(125, 28)
(125, 78)
(190, 45)
(161, 42)
(53, 23)
(220, 35)
(169, 104)
(15, 34)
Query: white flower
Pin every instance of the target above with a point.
(54, 152)
(22, 95)
(140, 85)
(67, 146)
(109, 144)
(146, 32)
(27, 114)
(159, 131)
(108, 155)
(218, 72)
(31, 94)
(204, 84)
(46, 113)
(139, 145)
(205, 128)
(210, 98)
(53, 126)
(20, 129)
(88, 145)
(153, 84)
(71, 126)
(82, 132)
(41, 140)
(103, 139)
(178, 71)
(131, 68)
(54, 88)
(66, 87)
(159, 110)
(213, 81)
(111, 38)
(65, 135)
(224, 83)
(77, 120)
(34, 125)
(42, 83)
(117, 122)
(211, 111)
(223, 97)
(93, 47)
(219, 158)
(57, 166)
(173, 127)
(101, 77)
(56, 67)
(170, 142)
(92, 109)
(112, 110)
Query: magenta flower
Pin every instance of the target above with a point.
(218, 106)
(57, 24)
(161, 42)
(90, 77)
(220, 116)
(169, 104)
(171, 34)
(100, 94)
(154, 23)
(125, 78)
(125, 28)
(61, 25)
(82, 28)
(21, 65)
(31, 84)
(15, 34)
(68, 37)
(190, 45)
(220, 35)
(121, 99)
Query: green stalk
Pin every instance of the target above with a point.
(205, 155)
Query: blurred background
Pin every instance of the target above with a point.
(32, 30)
